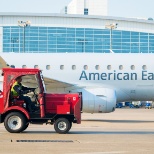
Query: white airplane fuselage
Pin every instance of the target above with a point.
(130, 76)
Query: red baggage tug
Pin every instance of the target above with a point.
(61, 110)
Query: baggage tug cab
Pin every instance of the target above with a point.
(61, 110)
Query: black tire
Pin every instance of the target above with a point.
(15, 122)
(62, 125)
(26, 126)
(70, 125)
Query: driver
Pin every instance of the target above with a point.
(18, 91)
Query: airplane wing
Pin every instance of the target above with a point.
(54, 83)
(3, 63)
(51, 85)
(57, 86)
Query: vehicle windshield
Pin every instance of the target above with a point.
(29, 81)
(43, 83)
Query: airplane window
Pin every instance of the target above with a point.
(97, 67)
(132, 67)
(109, 67)
(12, 66)
(120, 67)
(35, 66)
(48, 67)
(144, 67)
(24, 66)
(85, 67)
(61, 67)
(73, 67)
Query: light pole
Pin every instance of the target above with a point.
(24, 24)
(111, 27)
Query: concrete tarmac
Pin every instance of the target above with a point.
(129, 131)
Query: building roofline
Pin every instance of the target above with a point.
(76, 16)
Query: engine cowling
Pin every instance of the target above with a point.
(98, 100)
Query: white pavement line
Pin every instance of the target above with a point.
(110, 152)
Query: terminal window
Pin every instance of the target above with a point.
(65, 9)
(85, 11)
(70, 40)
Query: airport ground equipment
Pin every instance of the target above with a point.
(61, 110)
(148, 105)
(135, 104)
(119, 105)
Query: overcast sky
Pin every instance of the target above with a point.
(120, 8)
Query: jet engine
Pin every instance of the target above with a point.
(98, 100)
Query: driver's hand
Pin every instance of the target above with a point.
(32, 89)
(29, 91)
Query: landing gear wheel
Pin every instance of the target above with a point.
(15, 122)
(62, 125)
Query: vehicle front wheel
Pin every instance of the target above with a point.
(15, 122)
(62, 125)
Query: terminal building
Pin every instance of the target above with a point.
(87, 7)
(75, 32)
